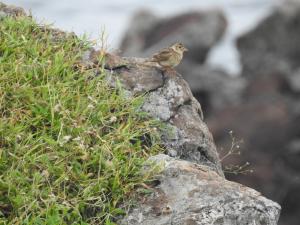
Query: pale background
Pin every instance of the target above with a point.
(91, 16)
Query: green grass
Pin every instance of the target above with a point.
(71, 148)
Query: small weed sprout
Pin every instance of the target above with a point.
(103, 47)
(235, 149)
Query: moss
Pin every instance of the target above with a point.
(71, 148)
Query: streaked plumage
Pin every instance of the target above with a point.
(169, 57)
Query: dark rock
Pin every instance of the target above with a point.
(213, 88)
(274, 45)
(267, 113)
(198, 31)
(140, 79)
(192, 194)
(135, 38)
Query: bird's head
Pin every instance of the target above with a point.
(178, 47)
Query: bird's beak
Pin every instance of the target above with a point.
(185, 49)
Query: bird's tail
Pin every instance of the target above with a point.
(150, 62)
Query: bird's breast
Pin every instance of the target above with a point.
(172, 61)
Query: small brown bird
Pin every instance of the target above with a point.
(169, 57)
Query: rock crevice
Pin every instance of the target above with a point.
(191, 187)
(170, 100)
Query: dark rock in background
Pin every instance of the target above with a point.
(274, 44)
(261, 106)
(198, 31)
(268, 115)
(213, 88)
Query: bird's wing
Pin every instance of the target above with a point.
(163, 55)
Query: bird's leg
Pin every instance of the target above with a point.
(169, 70)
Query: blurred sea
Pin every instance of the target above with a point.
(91, 16)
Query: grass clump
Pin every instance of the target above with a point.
(71, 150)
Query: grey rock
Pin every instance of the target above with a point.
(196, 143)
(170, 99)
(164, 102)
(187, 137)
(139, 78)
(193, 191)
(188, 192)
(294, 147)
(199, 31)
(191, 194)
(135, 38)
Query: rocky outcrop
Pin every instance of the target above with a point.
(169, 99)
(191, 190)
(261, 106)
(190, 194)
(199, 32)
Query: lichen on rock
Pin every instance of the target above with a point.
(192, 194)
(169, 99)
(191, 188)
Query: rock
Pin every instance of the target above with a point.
(198, 31)
(262, 106)
(267, 113)
(273, 46)
(186, 192)
(190, 194)
(215, 89)
(170, 99)
(135, 38)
